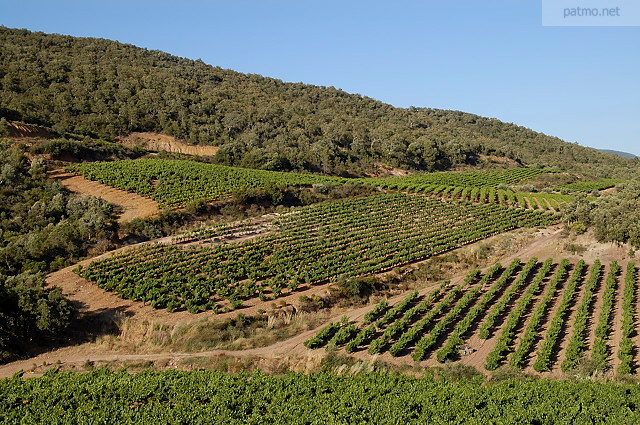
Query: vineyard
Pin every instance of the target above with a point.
(480, 178)
(204, 397)
(176, 182)
(309, 245)
(588, 186)
(486, 194)
(487, 186)
(538, 315)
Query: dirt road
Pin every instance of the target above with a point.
(134, 205)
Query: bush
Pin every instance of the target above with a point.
(507, 372)
(321, 188)
(357, 287)
(578, 227)
(575, 248)
(195, 206)
(459, 372)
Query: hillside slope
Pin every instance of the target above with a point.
(622, 154)
(102, 88)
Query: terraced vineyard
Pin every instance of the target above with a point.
(534, 315)
(477, 186)
(588, 186)
(176, 182)
(309, 245)
(479, 178)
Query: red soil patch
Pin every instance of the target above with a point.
(163, 142)
(30, 131)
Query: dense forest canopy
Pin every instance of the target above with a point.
(102, 89)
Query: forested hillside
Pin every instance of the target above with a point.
(43, 227)
(102, 89)
(622, 154)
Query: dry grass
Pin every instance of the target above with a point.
(203, 334)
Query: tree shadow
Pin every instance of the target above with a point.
(85, 326)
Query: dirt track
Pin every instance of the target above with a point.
(72, 357)
(134, 205)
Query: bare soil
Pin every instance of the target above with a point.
(28, 131)
(386, 170)
(570, 323)
(616, 331)
(132, 204)
(163, 142)
(551, 312)
(597, 308)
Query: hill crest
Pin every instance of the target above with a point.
(105, 89)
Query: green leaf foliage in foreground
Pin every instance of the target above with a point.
(323, 398)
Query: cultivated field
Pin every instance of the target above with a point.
(539, 316)
(176, 182)
(310, 245)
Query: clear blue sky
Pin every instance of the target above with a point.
(492, 58)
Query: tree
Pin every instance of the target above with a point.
(4, 127)
(28, 311)
(425, 153)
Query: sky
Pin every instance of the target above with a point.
(487, 57)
